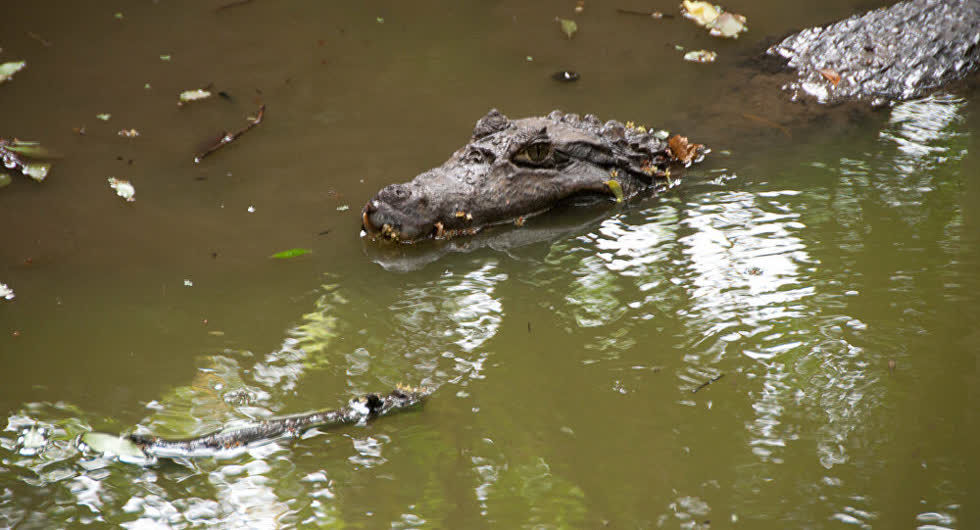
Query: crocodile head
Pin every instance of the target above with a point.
(513, 169)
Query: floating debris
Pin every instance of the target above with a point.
(568, 26)
(715, 19)
(32, 441)
(7, 70)
(702, 13)
(6, 292)
(36, 170)
(123, 188)
(104, 116)
(651, 14)
(728, 25)
(227, 137)
(380, 20)
(580, 6)
(129, 133)
(343, 208)
(291, 253)
(15, 153)
(251, 209)
(165, 58)
(192, 95)
(188, 283)
(701, 56)
(565, 76)
(5, 180)
(118, 15)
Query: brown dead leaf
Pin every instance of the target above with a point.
(830, 74)
(682, 150)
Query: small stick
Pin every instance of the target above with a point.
(768, 123)
(706, 383)
(651, 14)
(231, 4)
(228, 138)
(39, 38)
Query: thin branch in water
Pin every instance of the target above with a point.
(651, 14)
(706, 383)
(231, 5)
(42, 40)
(769, 123)
(228, 138)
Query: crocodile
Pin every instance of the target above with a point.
(514, 169)
(228, 442)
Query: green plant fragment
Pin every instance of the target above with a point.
(568, 26)
(7, 70)
(616, 189)
(291, 253)
(36, 170)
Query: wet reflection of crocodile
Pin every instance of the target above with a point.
(512, 169)
(357, 410)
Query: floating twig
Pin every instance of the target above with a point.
(706, 383)
(42, 40)
(651, 14)
(228, 138)
(768, 123)
(231, 5)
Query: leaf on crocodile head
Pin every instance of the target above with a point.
(568, 26)
(616, 189)
(683, 151)
(830, 75)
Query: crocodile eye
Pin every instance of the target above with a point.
(535, 153)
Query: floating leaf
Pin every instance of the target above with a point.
(7, 70)
(6, 293)
(118, 15)
(123, 188)
(343, 208)
(104, 116)
(30, 149)
(129, 133)
(616, 189)
(193, 95)
(380, 20)
(291, 253)
(580, 6)
(111, 445)
(568, 26)
(702, 13)
(188, 283)
(728, 25)
(164, 57)
(701, 56)
(714, 18)
(36, 170)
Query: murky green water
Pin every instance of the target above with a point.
(827, 283)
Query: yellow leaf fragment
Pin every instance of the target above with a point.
(616, 189)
